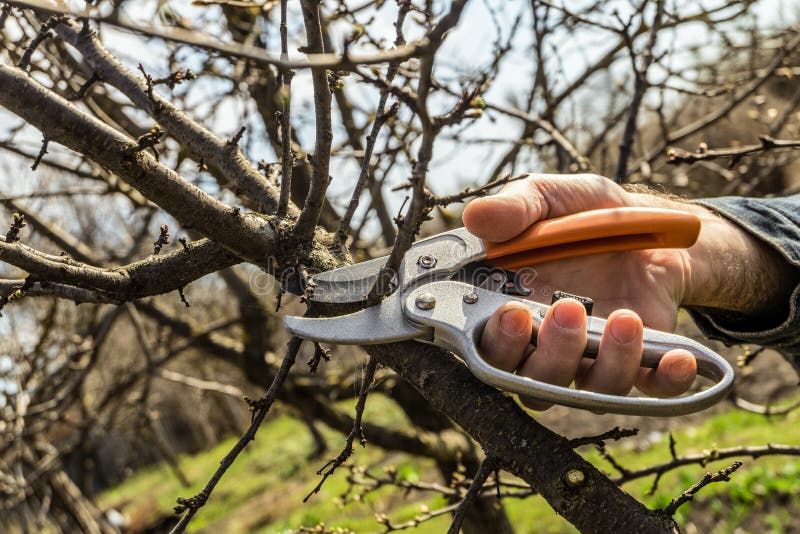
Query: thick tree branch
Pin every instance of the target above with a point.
(519, 443)
(206, 146)
(152, 276)
(207, 42)
(245, 234)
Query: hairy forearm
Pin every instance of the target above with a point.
(733, 270)
(728, 268)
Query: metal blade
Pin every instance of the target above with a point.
(448, 252)
(347, 284)
(383, 323)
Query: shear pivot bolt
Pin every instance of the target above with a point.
(470, 298)
(426, 262)
(425, 301)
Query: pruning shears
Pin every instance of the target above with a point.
(449, 285)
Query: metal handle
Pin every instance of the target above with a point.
(458, 312)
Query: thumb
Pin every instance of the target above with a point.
(521, 203)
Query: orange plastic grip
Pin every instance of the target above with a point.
(594, 232)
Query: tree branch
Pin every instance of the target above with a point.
(320, 165)
(518, 442)
(206, 146)
(261, 407)
(247, 235)
(723, 475)
(285, 96)
(136, 280)
(256, 55)
(640, 85)
(677, 156)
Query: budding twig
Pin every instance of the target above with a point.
(677, 156)
(13, 233)
(163, 239)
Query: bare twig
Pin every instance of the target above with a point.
(44, 33)
(357, 432)
(470, 192)
(420, 207)
(723, 475)
(381, 116)
(599, 440)
(640, 85)
(40, 155)
(487, 467)
(580, 161)
(261, 407)
(256, 55)
(285, 98)
(705, 457)
(197, 383)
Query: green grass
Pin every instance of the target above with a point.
(264, 489)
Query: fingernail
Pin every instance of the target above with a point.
(566, 318)
(625, 328)
(684, 368)
(514, 322)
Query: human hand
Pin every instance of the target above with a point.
(631, 288)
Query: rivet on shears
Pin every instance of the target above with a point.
(425, 301)
(426, 261)
(470, 298)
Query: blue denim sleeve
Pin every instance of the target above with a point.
(776, 222)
